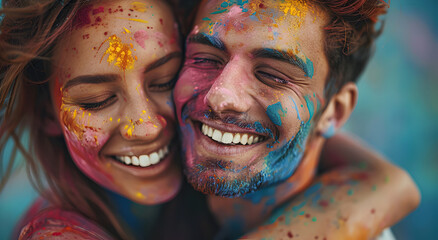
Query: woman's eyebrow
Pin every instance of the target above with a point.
(163, 60)
(91, 79)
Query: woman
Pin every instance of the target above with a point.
(91, 82)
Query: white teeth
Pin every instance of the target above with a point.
(227, 138)
(135, 161)
(230, 138)
(127, 160)
(144, 160)
(217, 135)
(154, 158)
(244, 139)
(236, 138)
(250, 140)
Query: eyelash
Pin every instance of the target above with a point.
(98, 105)
(274, 78)
(164, 86)
(205, 62)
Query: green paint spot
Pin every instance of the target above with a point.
(374, 188)
(302, 105)
(332, 200)
(219, 11)
(206, 19)
(386, 179)
(314, 219)
(350, 192)
(302, 213)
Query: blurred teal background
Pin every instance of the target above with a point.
(397, 114)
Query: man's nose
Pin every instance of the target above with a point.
(230, 91)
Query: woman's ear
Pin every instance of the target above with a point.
(338, 110)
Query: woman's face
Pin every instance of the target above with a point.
(112, 92)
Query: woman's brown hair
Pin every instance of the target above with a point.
(29, 30)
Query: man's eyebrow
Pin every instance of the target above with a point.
(93, 79)
(162, 60)
(285, 56)
(206, 39)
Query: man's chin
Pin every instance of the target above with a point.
(217, 180)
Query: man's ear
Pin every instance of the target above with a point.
(338, 110)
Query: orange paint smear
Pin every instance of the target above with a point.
(68, 119)
(119, 53)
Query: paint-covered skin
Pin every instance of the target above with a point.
(61, 224)
(113, 76)
(252, 69)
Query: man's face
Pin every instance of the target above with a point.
(252, 80)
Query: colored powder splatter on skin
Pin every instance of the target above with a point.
(296, 8)
(82, 17)
(282, 162)
(296, 108)
(275, 112)
(139, 6)
(140, 37)
(98, 10)
(68, 119)
(134, 20)
(310, 106)
(350, 192)
(119, 53)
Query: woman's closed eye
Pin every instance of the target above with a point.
(93, 103)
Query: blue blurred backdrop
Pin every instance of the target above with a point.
(397, 114)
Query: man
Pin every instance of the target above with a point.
(263, 85)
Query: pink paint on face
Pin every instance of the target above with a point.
(112, 117)
(140, 37)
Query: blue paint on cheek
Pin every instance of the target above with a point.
(310, 107)
(275, 112)
(309, 67)
(296, 108)
(282, 162)
(260, 129)
(312, 189)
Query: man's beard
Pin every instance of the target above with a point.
(234, 183)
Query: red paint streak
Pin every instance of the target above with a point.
(98, 19)
(160, 44)
(98, 10)
(56, 234)
(161, 21)
(83, 16)
(290, 235)
(307, 215)
(110, 10)
(373, 211)
(323, 203)
(86, 36)
(261, 5)
(105, 33)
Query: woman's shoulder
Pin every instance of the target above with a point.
(43, 221)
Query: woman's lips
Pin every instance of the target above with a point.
(145, 165)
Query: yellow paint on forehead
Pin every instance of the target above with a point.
(135, 20)
(119, 53)
(139, 6)
(295, 8)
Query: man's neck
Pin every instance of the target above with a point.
(239, 215)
